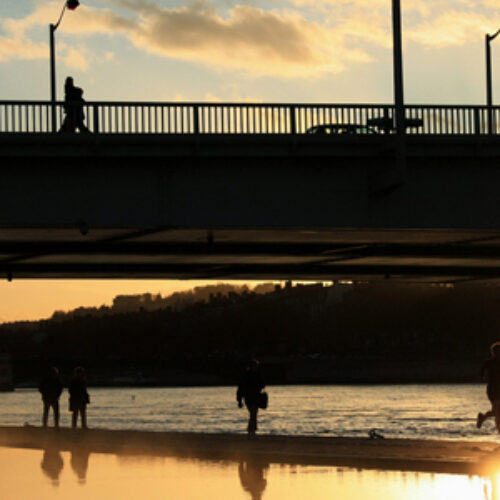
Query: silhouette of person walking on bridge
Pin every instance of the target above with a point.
(78, 397)
(73, 107)
(51, 388)
(491, 369)
(249, 389)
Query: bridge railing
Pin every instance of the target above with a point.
(245, 118)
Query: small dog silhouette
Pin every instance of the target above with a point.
(374, 434)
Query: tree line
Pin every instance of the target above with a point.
(303, 333)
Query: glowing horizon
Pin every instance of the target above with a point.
(213, 50)
(31, 300)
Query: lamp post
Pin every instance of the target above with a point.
(71, 5)
(398, 67)
(489, 90)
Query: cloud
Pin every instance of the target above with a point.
(453, 29)
(248, 39)
(288, 38)
(76, 58)
(231, 94)
(16, 48)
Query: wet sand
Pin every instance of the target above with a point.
(390, 454)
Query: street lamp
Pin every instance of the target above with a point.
(489, 91)
(71, 5)
(398, 68)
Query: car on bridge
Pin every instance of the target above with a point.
(388, 126)
(340, 128)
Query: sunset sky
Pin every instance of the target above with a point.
(36, 299)
(230, 50)
(263, 50)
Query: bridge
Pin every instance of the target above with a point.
(246, 191)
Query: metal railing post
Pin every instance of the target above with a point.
(196, 119)
(293, 121)
(388, 121)
(477, 121)
(95, 113)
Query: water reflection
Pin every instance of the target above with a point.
(80, 463)
(83, 473)
(252, 478)
(490, 488)
(52, 464)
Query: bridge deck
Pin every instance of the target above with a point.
(248, 206)
(417, 256)
(40, 145)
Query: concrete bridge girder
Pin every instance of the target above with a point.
(122, 191)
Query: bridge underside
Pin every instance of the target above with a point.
(425, 256)
(260, 208)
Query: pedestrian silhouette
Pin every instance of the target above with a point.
(51, 388)
(491, 370)
(78, 397)
(73, 108)
(252, 478)
(52, 464)
(249, 389)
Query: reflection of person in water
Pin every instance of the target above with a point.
(80, 463)
(52, 464)
(252, 478)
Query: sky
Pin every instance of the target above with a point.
(22, 300)
(242, 50)
(331, 51)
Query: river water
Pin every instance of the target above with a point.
(406, 411)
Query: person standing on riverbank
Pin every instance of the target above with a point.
(491, 370)
(78, 397)
(249, 389)
(51, 389)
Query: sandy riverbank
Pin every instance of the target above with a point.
(392, 454)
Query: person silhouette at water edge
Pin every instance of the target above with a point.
(249, 389)
(73, 107)
(51, 389)
(491, 370)
(78, 397)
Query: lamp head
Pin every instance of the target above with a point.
(492, 37)
(72, 4)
